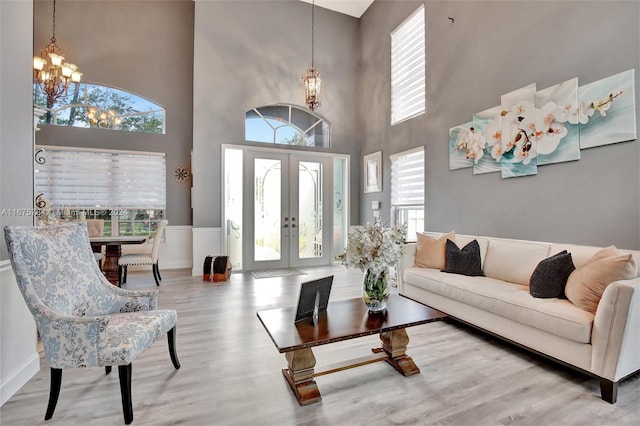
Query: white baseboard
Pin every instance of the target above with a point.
(22, 375)
(20, 359)
(206, 241)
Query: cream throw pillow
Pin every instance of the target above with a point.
(430, 252)
(587, 283)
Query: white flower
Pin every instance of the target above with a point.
(472, 143)
(374, 247)
(548, 132)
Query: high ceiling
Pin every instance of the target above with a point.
(353, 8)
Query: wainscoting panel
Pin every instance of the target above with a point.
(20, 360)
(206, 241)
(175, 250)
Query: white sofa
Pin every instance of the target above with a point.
(605, 345)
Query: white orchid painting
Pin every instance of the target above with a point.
(532, 128)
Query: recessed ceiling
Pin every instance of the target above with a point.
(353, 8)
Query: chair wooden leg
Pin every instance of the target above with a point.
(124, 280)
(158, 271)
(124, 372)
(120, 276)
(54, 391)
(171, 338)
(154, 268)
(107, 369)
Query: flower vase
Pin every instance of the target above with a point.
(375, 291)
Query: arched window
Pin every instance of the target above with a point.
(97, 106)
(286, 125)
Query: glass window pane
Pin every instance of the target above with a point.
(340, 222)
(233, 205)
(257, 130)
(267, 214)
(309, 210)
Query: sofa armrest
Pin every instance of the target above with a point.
(616, 331)
(406, 261)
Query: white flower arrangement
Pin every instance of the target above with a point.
(374, 247)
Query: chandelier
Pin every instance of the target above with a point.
(102, 118)
(51, 72)
(312, 77)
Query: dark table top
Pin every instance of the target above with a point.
(343, 320)
(118, 240)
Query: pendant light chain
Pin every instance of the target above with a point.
(313, 21)
(54, 21)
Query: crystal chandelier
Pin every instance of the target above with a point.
(51, 72)
(102, 118)
(312, 77)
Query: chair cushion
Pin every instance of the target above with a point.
(130, 333)
(135, 259)
(513, 261)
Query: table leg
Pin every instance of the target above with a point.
(395, 344)
(110, 264)
(299, 375)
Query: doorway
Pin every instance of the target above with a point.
(284, 209)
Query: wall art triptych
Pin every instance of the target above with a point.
(531, 128)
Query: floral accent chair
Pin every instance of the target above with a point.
(83, 320)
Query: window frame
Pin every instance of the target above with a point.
(412, 204)
(403, 68)
(138, 216)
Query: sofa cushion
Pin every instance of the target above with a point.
(512, 301)
(483, 242)
(465, 261)
(587, 283)
(430, 251)
(513, 261)
(550, 276)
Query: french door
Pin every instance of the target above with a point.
(287, 212)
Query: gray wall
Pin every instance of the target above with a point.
(145, 47)
(16, 116)
(495, 47)
(253, 53)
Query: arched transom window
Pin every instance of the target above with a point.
(286, 125)
(97, 106)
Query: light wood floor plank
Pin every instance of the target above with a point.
(231, 375)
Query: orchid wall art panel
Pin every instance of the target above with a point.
(518, 117)
(488, 124)
(607, 111)
(556, 127)
(532, 128)
(460, 154)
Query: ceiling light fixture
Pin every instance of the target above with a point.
(51, 72)
(312, 77)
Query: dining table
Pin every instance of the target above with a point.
(113, 251)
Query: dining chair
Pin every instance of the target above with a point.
(95, 227)
(150, 258)
(82, 319)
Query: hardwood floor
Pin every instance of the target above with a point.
(231, 375)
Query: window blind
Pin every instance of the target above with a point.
(407, 178)
(81, 178)
(408, 68)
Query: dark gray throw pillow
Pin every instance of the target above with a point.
(465, 261)
(550, 276)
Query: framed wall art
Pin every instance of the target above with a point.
(373, 172)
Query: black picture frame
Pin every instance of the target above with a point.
(313, 297)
